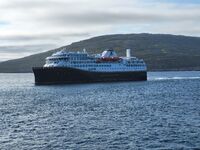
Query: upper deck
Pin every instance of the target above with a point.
(107, 61)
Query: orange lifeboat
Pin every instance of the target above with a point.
(108, 59)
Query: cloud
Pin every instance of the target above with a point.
(13, 52)
(116, 18)
(32, 37)
(25, 48)
(60, 22)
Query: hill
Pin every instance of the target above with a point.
(160, 51)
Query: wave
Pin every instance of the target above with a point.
(173, 78)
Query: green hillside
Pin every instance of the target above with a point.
(160, 51)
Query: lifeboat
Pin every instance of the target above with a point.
(108, 59)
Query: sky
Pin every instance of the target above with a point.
(33, 26)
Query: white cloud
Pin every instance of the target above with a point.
(60, 22)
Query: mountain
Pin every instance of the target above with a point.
(160, 51)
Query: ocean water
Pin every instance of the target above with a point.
(161, 113)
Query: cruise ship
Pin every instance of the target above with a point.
(80, 67)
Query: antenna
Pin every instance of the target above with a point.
(84, 50)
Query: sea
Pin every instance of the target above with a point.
(160, 113)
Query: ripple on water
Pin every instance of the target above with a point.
(157, 114)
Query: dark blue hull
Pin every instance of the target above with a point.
(61, 75)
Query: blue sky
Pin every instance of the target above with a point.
(33, 26)
(183, 1)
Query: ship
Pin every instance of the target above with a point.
(66, 66)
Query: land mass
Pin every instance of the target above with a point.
(161, 52)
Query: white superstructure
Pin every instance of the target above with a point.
(108, 61)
